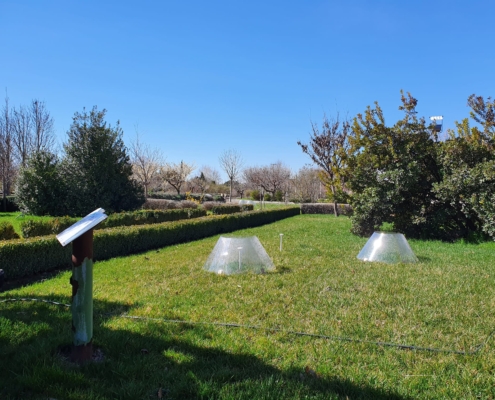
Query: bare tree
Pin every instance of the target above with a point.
(146, 163)
(231, 162)
(22, 134)
(240, 187)
(306, 184)
(176, 174)
(270, 178)
(42, 124)
(32, 130)
(211, 174)
(7, 163)
(328, 149)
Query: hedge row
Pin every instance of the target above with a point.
(325, 208)
(24, 257)
(179, 197)
(7, 231)
(221, 209)
(32, 228)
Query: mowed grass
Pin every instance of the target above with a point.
(17, 218)
(444, 303)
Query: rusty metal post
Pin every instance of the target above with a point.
(82, 297)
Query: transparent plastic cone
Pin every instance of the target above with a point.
(238, 255)
(387, 247)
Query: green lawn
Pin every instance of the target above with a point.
(16, 219)
(444, 303)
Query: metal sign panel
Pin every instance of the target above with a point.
(82, 226)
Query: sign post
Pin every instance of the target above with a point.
(81, 236)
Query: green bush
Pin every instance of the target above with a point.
(143, 217)
(255, 195)
(32, 228)
(7, 231)
(220, 208)
(24, 257)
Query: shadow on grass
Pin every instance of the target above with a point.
(151, 360)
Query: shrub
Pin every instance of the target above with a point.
(24, 257)
(255, 195)
(32, 228)
(188, 204)
(325, 208)
(166, 196)
(220, 208)
(7, 231)
(160, 204)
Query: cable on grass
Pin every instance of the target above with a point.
(280, 330)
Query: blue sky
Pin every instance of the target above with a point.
(200, 77)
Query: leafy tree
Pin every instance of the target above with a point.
(393, 172)
(328, 149)
(97, 168)
(483, 112)
(468, 173)
(40, 187)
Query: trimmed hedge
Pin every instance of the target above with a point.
(7, 231)
(222, 209)
(325, 208)
(31, 228)
(24, 257)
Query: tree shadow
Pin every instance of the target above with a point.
(154, 359)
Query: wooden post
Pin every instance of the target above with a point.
(82, 297)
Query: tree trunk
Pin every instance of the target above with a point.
(335, 209)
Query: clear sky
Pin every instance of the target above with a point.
(200, 77)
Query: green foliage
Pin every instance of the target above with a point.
(255, 194)
(7, 231)
(27, 256)
(32, 228)
(97, 167)
(394, 170)
(40, 187)
(144, 217)
(279, 196)
(228, 208)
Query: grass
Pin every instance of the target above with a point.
(16, 219)
(444, 302)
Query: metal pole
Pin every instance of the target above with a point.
(82, 297)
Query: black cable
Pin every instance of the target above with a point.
(286, 331)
